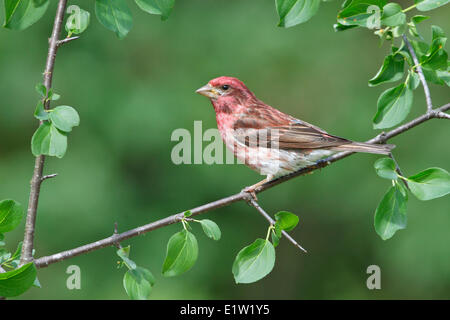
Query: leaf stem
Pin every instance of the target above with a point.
(409, 8)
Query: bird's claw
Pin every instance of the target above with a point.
(250, 192)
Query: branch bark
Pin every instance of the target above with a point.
(36, 180)
(420, 73)
(242, 196)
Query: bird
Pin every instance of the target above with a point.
(267, 140)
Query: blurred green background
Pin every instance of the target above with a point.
(131, 94)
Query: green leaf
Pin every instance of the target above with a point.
(188, 214)
(275, 239)
(254, 262)
(78, 21)
(436, 57)
(419, 18)
(390, 215)
(413, 81)
(393, 106)
(293, 12)
(160, 7)
(20, 14)
(430, 184)
(40, 112)
(390, 71)
(2, 240)
(115, 16)
(11, 213)
(286, 220)
(393, 15)
(138, 283)
(182, 253)
(426, 5)
(48, 140)
(340, 27)
(16, 282)
(211, 229)
(432, 76)
(64, 118)
(123, 253)
(41, 89)
(52, 95)
(359, 13)
(444, 76)
(385, 168)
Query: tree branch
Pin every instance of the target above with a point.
(36, 180)
(420, 72)
(255, 204)
(117, 238)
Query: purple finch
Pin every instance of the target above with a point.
(268, 140)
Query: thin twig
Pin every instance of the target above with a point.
(381, 138)
(442, 115)
(28, 240)
(66, 40)
(255, 204)
(420, 73)
(49, 176)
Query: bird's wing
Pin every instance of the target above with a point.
(265, 128)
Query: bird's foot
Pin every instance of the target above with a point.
(251, 192)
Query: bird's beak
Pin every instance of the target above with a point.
(208, 91)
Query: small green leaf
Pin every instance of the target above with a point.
(182, 253)
(426, 5)
(48, 140)
(413, 81)
(436, 57)
(393, 106)
(211, 229)
(41, 89)
(385, 168)
(254, 262)
(20, 14)
(444, 76)
(11, 213)
(286, 220)
(393, 15)
(293, 12)
(14, 283)
(359, 13)
(52, 95)
(159, 7)
(390, 215)
(138, 283)
(115, 16)
(275, 239)
(390, 71)
(123, 253)
(40, 112)
(278, 230)
(340, 27)
(430, 184)
(419, 18)
(78, 21)
(64, 118)
(187, 214)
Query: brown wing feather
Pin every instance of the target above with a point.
(266, 126)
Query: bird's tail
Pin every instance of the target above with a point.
(366, 147)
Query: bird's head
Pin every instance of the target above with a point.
(226, 93)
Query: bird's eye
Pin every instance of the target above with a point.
(225, 87)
